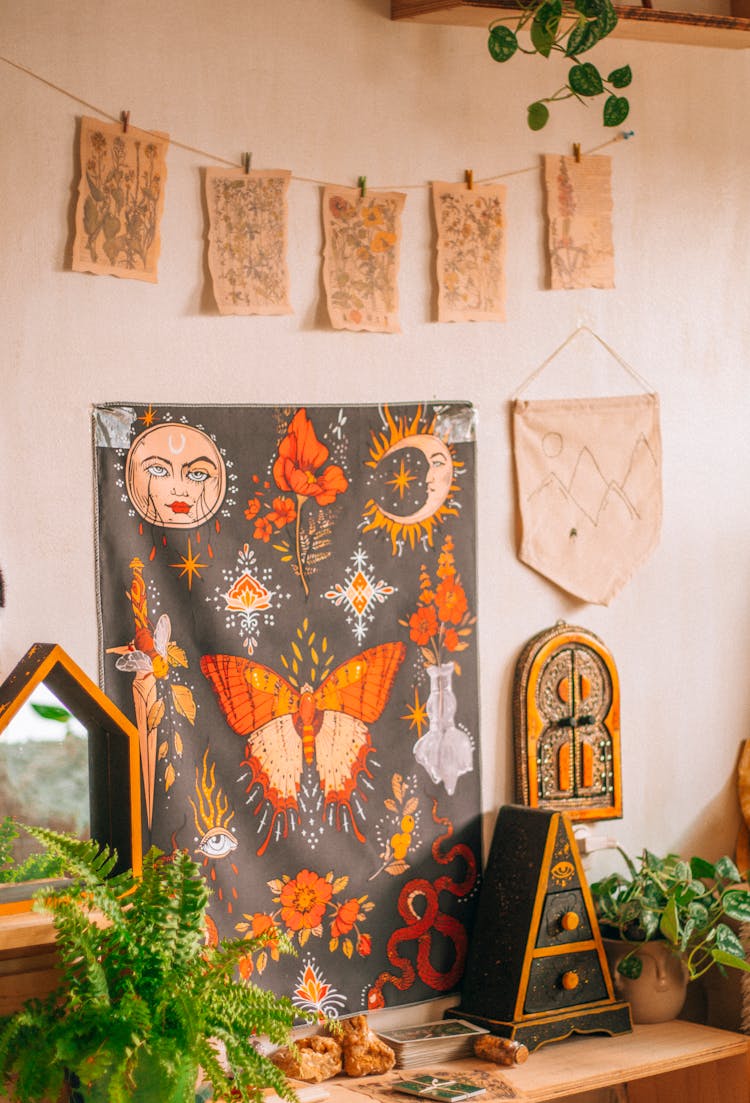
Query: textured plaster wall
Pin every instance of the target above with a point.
(332, 90)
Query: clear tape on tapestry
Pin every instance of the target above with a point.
(570, 338)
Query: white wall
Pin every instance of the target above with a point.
(331, 90)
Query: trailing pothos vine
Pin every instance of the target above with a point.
(570, 27)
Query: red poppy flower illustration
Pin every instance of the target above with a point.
(300, 456)
(283, 512)
(303, 900)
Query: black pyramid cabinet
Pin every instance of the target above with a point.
(537, 970)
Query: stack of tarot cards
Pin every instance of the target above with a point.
(426, 1043)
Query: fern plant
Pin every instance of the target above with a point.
(143, 1003)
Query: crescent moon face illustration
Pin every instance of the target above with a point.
(175, 476)
(438, 480)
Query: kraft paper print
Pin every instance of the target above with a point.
(579, 212)
(589, 489)
(361, 258)
(288, 616)
(248, 221)
(470, 252)
(120, 200)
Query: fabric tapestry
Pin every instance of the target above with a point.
(288, 614)
(589, 489)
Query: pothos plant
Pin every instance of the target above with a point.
(143, 1001)
(569, 27)
(682, 902)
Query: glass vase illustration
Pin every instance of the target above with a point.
(444, 750)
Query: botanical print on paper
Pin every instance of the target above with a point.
(579, 210)
(361, 260)
(248, 240)
(470, 252)
(120, 201)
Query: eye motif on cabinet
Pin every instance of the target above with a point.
(566, 724)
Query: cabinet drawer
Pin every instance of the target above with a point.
(564, 920)
(564, 980)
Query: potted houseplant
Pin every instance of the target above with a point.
(664, 924)
(143, 1002)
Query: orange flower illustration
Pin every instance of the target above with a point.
(253, 508)
(451, 601)
(302, 468)
(423, 625)
(382, 241)
(263, 529)
(283, 512)
(345, 917)
(441, 621)
(303, 900)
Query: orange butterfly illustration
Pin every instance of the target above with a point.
(288, 728)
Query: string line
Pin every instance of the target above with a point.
(299, 179)
(583, 329)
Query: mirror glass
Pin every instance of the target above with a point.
(44, 780)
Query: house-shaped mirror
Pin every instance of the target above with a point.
(69, 761)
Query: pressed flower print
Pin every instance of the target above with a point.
(361, 260)
(120, 201)
(470, 252)
(579, 212)
(248, 240)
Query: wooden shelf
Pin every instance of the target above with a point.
(674, 1062)
(644, 24)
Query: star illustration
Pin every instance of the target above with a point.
(149, 416)
(190, 565)
(400, 482)
(416, 714)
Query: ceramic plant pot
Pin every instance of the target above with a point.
(658, 994)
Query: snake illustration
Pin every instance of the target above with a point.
(420, 927)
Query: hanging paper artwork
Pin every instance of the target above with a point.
(288, 612)
(247, 214)
(361, 258)
(579, 213)
(589, 489)
(470, 252)
(120, 200)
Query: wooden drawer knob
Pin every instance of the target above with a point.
(569, 921)
(570, 981)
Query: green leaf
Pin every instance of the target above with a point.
(52, 712)
(538, 114)
(723, 958)
(502, 42)
(670, 922)
(737, 904)
(728, 942)
(620, 78)
(700, 867)
(630, 967)
(583, 36)
(616, 110)
(545, 25)
(725, 867)
(607, 20)
(585, 79)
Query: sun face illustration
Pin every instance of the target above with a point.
(413, 481)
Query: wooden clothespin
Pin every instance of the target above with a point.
(470, 179)
(577, 152)
(125, 120)
(246, 161)
(362, 185)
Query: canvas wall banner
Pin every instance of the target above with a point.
(288, 613)
(589, 489)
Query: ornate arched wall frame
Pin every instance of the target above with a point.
(566, 723)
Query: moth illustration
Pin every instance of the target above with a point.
(287, 728)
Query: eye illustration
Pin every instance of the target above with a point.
(217, 843)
